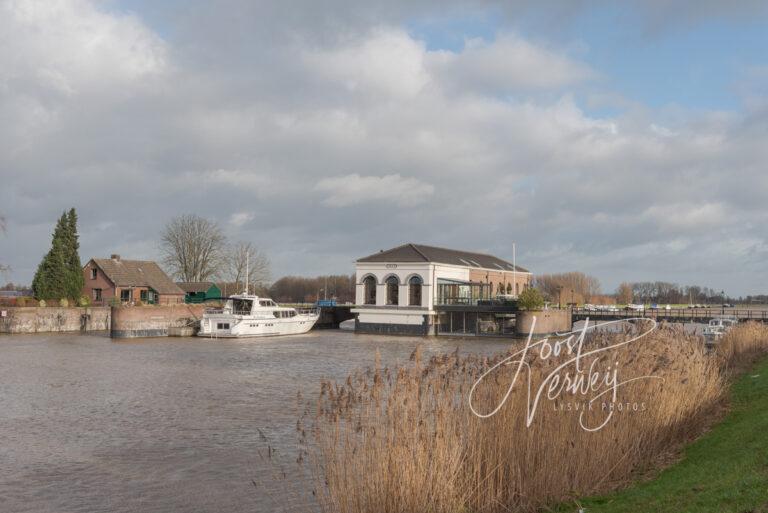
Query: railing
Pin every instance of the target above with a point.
(673, 313)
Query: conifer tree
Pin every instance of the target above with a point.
(50, 279)
(74, 281)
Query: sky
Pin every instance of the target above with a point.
(625, 141)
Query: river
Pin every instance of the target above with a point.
(170, 424)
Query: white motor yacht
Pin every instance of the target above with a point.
(718, 327)
(252, 316)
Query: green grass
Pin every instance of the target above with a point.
(724, 471)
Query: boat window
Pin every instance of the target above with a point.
(276, 313)
(241, 306)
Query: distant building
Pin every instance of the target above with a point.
(199, 291)
(413, 289)
(129, 281)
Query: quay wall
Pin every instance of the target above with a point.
(152, 321)
(35, 319)
(548, 322)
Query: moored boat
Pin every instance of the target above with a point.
(717, 328)
(253, 316)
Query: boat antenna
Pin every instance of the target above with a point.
(247, 254)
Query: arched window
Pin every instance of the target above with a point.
(369, 290)
(500, 290)
(509, 288)
(393, 286)
(414, 291)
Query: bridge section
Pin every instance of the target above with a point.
(702, 315)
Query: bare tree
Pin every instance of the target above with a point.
(193, 248)
(624, 293)
(239, 257)
(570, 284)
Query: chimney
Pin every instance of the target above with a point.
(116, 258)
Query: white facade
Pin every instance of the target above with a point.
(382, 310)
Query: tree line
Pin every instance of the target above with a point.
(666, 292)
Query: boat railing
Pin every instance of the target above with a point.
(216, 311)
(306, 311)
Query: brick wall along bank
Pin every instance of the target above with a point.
(152, 321)
(33, 319)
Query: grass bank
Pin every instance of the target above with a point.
(724, 471)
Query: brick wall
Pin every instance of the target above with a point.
(35, 319)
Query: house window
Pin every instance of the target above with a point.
(393, 286)
(97, 294)
(369, 291)
(94, 273)
(143, 295)
(500, 290)
(125, 295)
(509, 288)
(414, 291)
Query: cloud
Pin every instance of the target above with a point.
(507, 64)
(238, 219)
(345, 191)
(342, 133)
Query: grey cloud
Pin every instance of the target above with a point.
(325, 141)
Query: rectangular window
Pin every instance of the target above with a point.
(143, 295)
(97, 294)
(94, 273)
(125, 295)
(222, 326)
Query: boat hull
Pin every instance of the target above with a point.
(245, 327)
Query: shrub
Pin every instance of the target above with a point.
(84, 301)
(114, 301)
(42, 303)
(22, 301)
(530, 299)
(64, 302)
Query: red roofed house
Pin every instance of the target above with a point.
(129, 281)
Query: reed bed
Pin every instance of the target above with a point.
(403, 439)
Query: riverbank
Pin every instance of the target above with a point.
(505, 455)
(726, 470)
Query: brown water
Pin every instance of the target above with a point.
(170, 425)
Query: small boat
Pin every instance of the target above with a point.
(717, 328)
(246, 315)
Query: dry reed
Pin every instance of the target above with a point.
(403, 439)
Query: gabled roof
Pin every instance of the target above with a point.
(195, 286)
(137, 273)
(421, 253)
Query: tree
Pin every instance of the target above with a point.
(193, 248)
(530, 299)
(74, 280)
(624, 293)
(51, 276)
(238, 257)
(571, 284)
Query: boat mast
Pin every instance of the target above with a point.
(247, 254)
